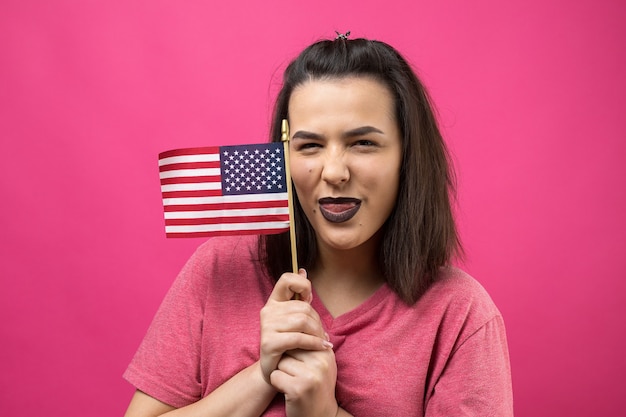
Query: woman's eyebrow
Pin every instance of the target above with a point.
(359, 131)
(303, 134)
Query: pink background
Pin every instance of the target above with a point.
(531, 97)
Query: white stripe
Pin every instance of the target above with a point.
(209, 157)
(200, 172)
(205, 214)
(224, 199)
(199, 186)
(226, 227)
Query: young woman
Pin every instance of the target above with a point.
(383, 325)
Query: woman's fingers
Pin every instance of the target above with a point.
(291, 316)
(289, 324)
(307, 378)
(296, 361)
(284, 342)
(282, 313)
(291, 284)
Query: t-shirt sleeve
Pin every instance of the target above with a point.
(477, 378)
(167, 364)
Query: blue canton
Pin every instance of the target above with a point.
(253, 169)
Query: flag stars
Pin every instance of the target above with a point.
(252, 169)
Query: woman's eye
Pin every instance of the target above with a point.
(308, 146)
(364, 142)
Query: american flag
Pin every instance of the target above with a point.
(225, 190)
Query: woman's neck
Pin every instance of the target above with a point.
(345, 279)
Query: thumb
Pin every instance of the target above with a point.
(309, 294)
(292, 286)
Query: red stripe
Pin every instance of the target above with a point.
(189, 151)
(195, 193)
(227, 206)
(228, 233)
(189, 165)
(228, 220)
(190, 180)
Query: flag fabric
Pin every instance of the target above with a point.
(225, 190)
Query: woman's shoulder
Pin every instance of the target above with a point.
(454, 280)
(229, 244)
(221, 257)
(458, 293)
(227, 250)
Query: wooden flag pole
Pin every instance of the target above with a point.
(292, 224)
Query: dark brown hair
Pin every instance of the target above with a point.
(420, 235)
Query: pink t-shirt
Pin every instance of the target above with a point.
(444, 356)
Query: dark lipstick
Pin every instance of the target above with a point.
(339, 210)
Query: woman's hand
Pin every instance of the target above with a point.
(289, 325)
(307, 378)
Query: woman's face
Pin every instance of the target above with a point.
(345, 155)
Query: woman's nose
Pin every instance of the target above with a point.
(335, 170)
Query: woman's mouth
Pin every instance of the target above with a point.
(339, 210)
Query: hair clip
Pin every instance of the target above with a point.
(342, 36)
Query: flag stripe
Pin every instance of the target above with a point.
(231, 227)
(227, 220)
(214, 233)
(205, 214)
(189, 165)
(189, 180)
(192, 194)
(200, 172)
(226, 206)
(199, 186)
(225, 199)
(208, 150)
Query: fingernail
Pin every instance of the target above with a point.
(327, 344)
(326, 336)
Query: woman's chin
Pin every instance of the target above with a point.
(343, 242)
